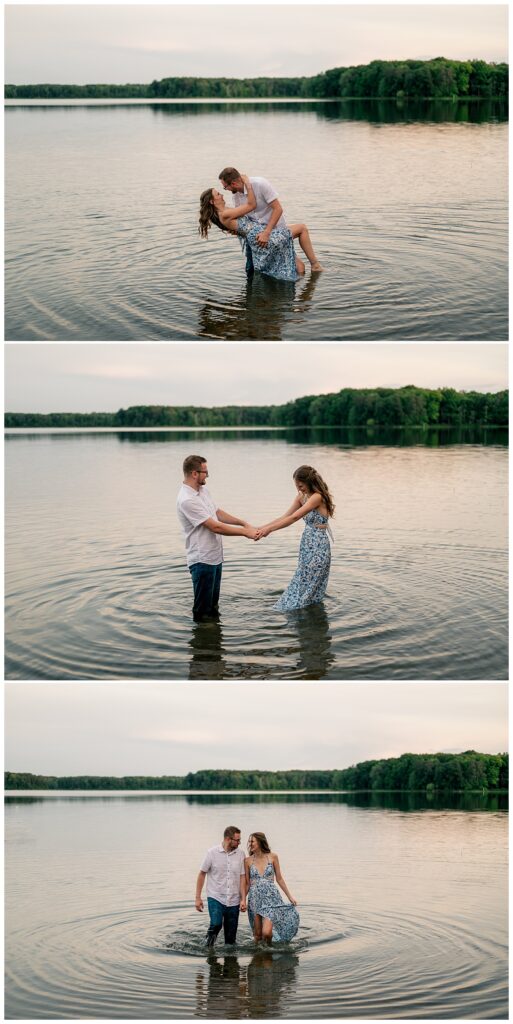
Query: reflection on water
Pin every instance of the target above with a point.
(410, 221)
(97, 587)
(408, 802)
(375, 110)
(100, 920)
(259, 311)
(343, 437)
(309, 645)
(206, 649)
(260, 989)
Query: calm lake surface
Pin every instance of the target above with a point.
(97, 586)
(406, 206)
(403, 908)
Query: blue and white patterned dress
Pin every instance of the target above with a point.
(264, 899)
(277, 258)
(309, 582)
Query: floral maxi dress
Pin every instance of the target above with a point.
(309, 582)
(264, 899)
(277, 258)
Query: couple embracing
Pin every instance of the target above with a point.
(203, 524)
(236, 882)
(257, 220)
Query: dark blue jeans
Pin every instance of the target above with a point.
(206, 580)
(222, 917)
(250, 267)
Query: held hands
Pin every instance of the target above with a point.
(243, 906)
(198, 903)
(251, 533)
(263, 531)
(256, 532)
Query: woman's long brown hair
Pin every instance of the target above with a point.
(209, 215)
(316, 485)
(261, 840)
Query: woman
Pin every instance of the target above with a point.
(314, 504)
(266, 909)
(277, 258)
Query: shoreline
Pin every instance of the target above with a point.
(99, 101)
(248, 792)
(142, 100)
(374, 428)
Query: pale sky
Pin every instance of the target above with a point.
(136, 43)
(106, 377)
(158, 728)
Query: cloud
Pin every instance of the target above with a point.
(105, 377)
(157, 728)
(120, 43)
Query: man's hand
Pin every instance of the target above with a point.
(243, 906)
(251, 533)
(198, 903)
(263, 238)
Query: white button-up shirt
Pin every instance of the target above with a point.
(224, 871)
(264, 195)
(193, 508)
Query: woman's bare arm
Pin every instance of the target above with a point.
(280, 879)
(246, 868)
(296, 504)
(234, 212)
(291, 517)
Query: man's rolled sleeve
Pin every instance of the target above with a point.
(195, 511)
(207, 862)
(268, 192)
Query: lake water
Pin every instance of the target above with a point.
(97, 586)
(406, 206)
(403, 908)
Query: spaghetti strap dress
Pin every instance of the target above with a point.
(277, 258)
(309, 582)
(265, 899)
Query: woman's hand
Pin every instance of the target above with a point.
(263, 531)
(293, 901)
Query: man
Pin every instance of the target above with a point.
(268, 207)
(268, 211)
(203, 525)
(223, 868)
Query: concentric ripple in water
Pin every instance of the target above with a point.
(97, 586)
(150, 962)
(403, 912)
(409, 219)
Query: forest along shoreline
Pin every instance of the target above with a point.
(470, 771)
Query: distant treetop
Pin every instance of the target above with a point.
(385, 79)
(351, 407)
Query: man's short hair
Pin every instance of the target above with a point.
(229, 175)
(191, 463)
(231, 831)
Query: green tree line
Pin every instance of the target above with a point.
(409, 772)
(386, 79)
(350, 407)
